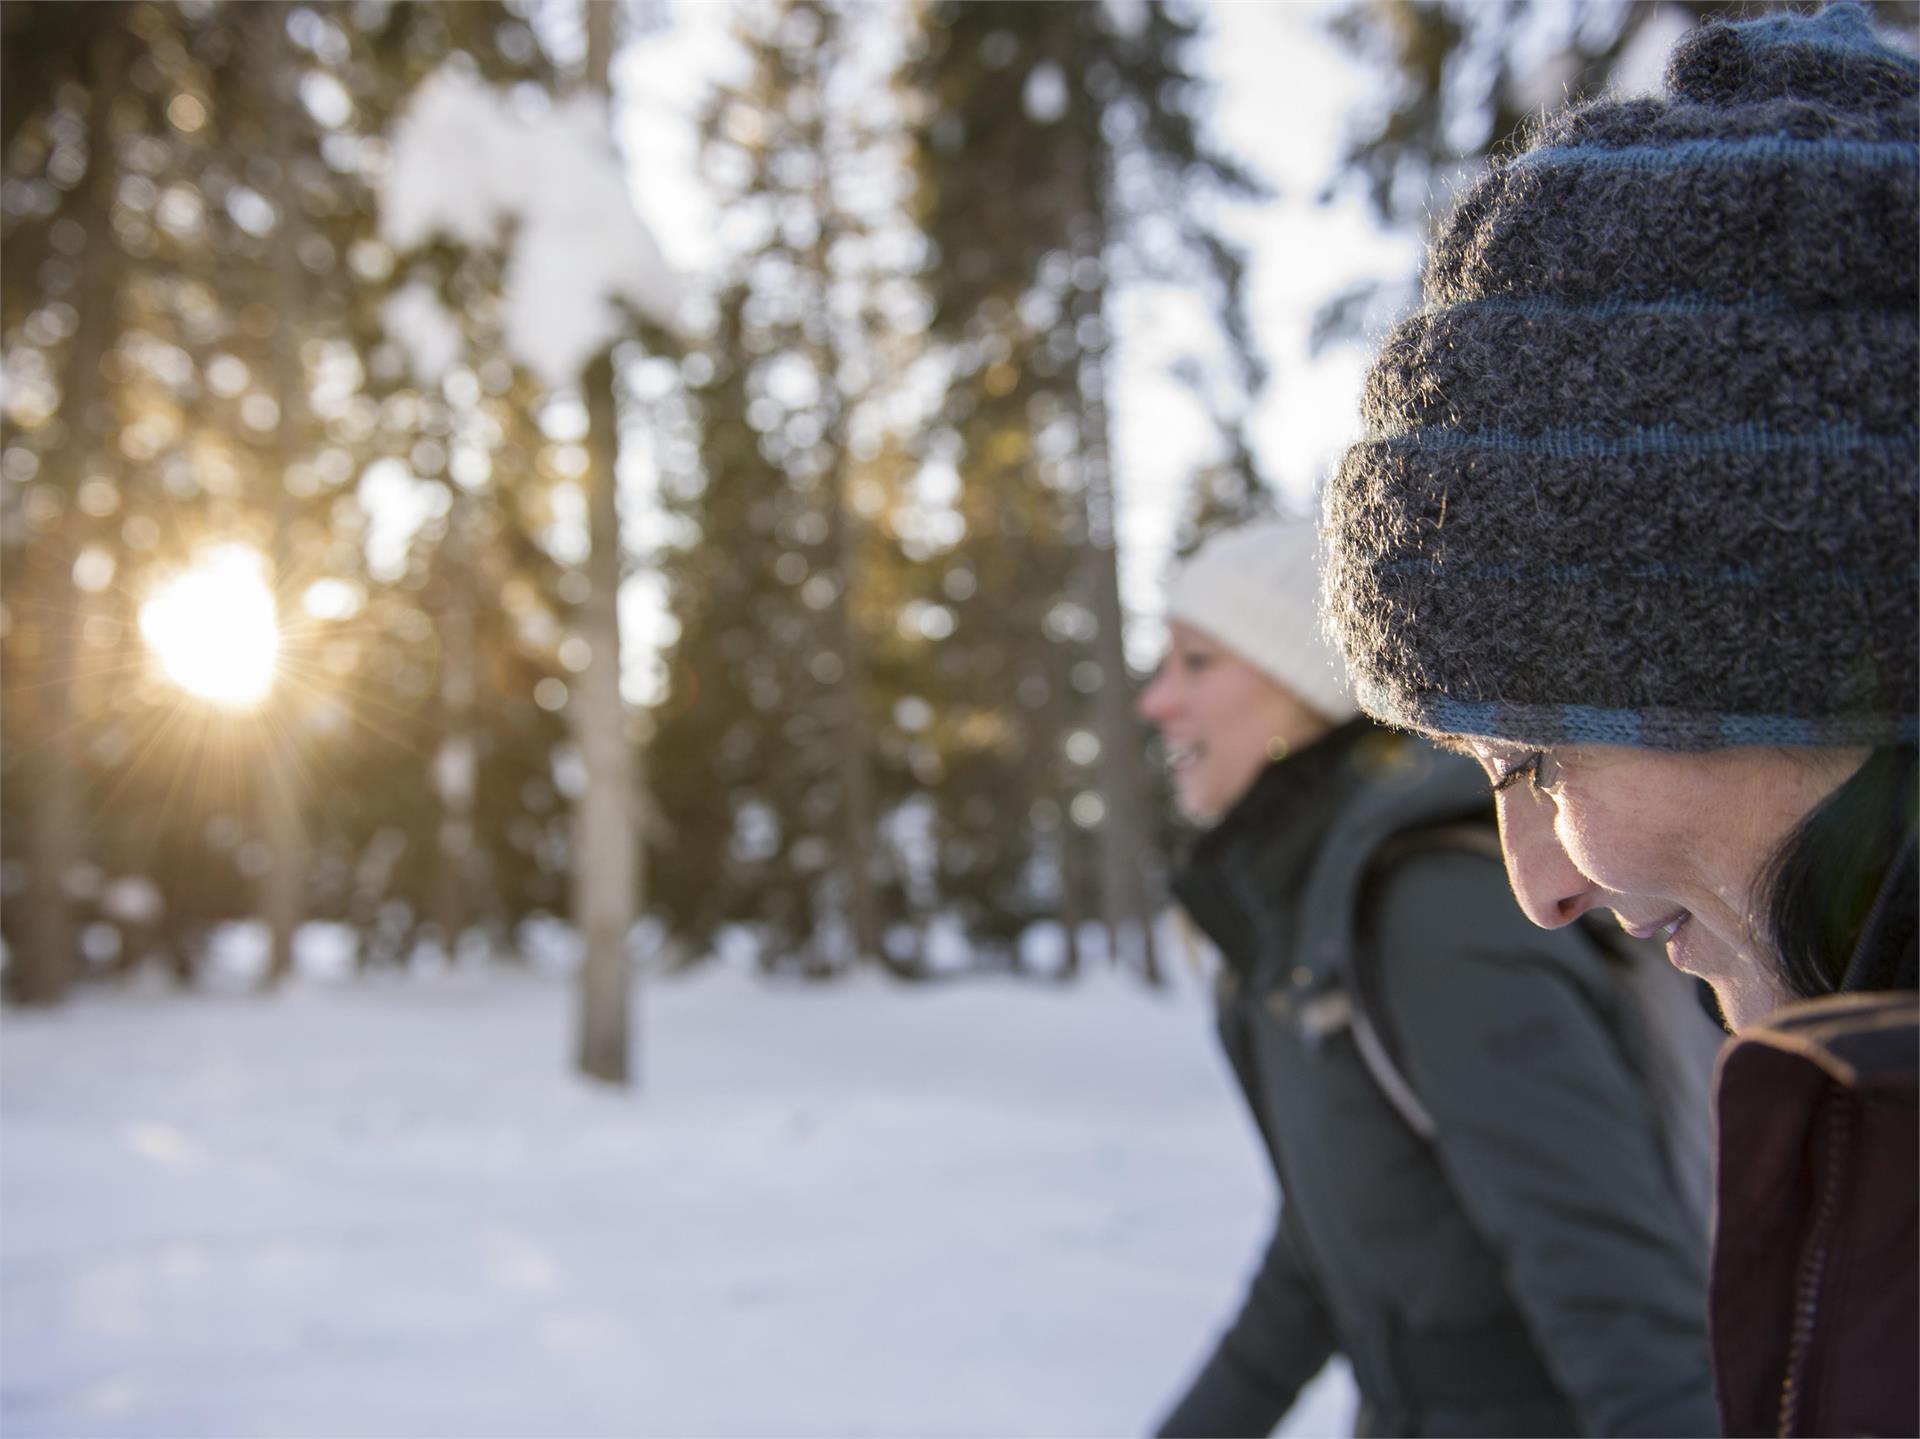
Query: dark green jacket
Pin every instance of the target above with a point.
(1528, 1270)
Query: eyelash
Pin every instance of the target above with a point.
(1536, 769)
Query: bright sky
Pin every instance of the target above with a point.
(1284, 90)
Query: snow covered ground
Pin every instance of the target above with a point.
(385, 1208)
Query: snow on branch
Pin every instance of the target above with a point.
(427, 330)
(471, 168)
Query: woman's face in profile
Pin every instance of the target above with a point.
(1673, 843)
(1222, 721)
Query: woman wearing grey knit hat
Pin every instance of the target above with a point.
(1634, 526)
(1477, 1210)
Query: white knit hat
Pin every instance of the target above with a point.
(1256, 589)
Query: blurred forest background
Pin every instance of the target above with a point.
(356, 304)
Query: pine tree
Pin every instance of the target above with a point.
(245, 383)
(1052, 135)
(68, 114)
(1464, 79)
(495, 849)
(775, 763)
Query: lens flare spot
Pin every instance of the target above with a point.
(214, 629)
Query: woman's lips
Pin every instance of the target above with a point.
(1663, 931)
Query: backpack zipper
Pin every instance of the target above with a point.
(1813, 1258)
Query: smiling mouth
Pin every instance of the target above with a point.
(1180, 756)
(1665, 930)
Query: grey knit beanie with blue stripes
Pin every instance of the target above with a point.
(1645, 469)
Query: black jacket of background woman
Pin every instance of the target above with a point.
(1528, 1270)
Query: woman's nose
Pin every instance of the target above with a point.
(1156, 700)
(1551, 891)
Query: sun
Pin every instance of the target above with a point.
(214, 628)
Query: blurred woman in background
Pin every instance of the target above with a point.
(1476, 1209)
(1635, 527)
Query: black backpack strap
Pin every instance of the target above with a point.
(1373, 1032)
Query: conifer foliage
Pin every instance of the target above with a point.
(778, 762)
(875, 494)
(1060, 157)
(195, 313)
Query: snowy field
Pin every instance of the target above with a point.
(386, 1209)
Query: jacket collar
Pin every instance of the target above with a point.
(1301, 842)
(1283, 793)
(1245, 869)
(1408, 785)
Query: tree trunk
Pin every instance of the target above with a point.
(854, 741)
(48, 961)
(606, 856)
(279, 789)
(1124, 902)
(1123, 834)
(282, 892)
(1059, 780)
(457, 761)
(1071, 917)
